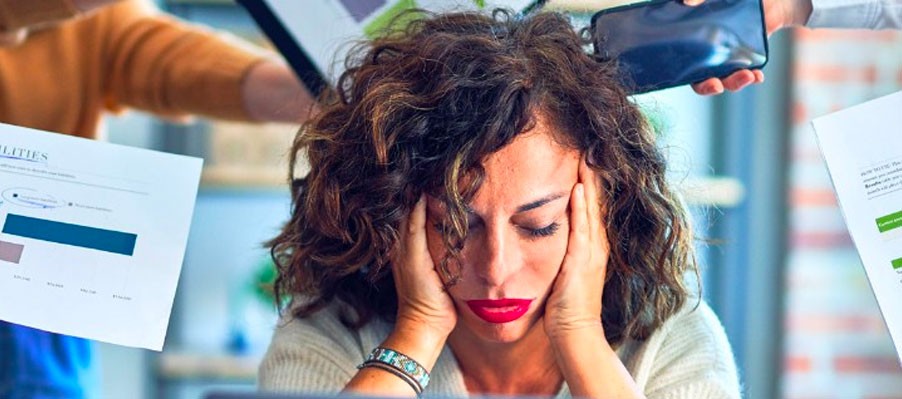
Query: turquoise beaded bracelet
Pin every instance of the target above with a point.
(415, 374)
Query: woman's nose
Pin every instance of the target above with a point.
(498, 259)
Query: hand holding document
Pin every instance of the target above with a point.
(862, 146)
(92, 235)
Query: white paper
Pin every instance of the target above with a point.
(326, 30)
(93, 235)
(862, 146)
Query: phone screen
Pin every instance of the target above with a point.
(663, 44)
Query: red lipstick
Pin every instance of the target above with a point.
(499, 311)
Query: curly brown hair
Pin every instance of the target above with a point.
(420, 109)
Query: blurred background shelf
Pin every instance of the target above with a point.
(187, 366)
(247, 155)
(714, 191)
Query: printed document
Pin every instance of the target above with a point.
(862, 146)
(92, 235)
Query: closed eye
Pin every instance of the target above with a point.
(546, 231)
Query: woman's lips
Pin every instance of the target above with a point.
(499, 310)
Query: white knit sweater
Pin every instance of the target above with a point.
(860, 14)
(687, 358)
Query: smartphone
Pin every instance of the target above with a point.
(663, 43)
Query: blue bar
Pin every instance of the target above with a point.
(71, 234)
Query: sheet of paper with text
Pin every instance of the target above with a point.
(92, 235)
(862, 147)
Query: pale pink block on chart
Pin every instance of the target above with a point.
(10, 252)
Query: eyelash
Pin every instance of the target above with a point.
(546, 231)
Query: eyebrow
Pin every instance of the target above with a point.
(539, 202)
(527, 206)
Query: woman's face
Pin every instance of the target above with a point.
(518, 233)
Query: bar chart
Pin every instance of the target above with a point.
(92, 235)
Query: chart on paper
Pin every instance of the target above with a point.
(92, 235)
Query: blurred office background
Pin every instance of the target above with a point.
(779, 267)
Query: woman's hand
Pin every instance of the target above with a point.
(574, 304)
(426, 313)
(422, 299)
(778, 14)
(573, 312)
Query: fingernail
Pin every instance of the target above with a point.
(579, 188)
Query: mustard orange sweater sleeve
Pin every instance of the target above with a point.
(159, 64)
(126, 55)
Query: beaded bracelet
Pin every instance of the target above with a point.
(400, 365)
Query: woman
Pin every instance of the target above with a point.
(484, 200)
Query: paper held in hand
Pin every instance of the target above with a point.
(92, 235)
(862, 147)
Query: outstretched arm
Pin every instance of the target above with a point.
(160, 64)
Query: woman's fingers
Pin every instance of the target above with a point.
(426, 314)
(413, 233)
(413, 251)
(416, 229)
(578, 242)
(422, 300)
(708, 87)
(575, 300)
(759, 75)
(739, 79)
(590, 184)
(598, 242)
(735, 82)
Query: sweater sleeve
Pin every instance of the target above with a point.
(15, 14)
(317, 354)
(861, 14)
(694, 359)
(162, 65)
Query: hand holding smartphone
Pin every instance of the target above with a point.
(664, 43)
